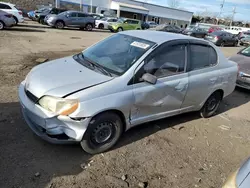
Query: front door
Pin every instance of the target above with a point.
(168, 64)
(72, 19)
(128, 25)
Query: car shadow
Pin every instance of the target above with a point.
(24, 154)
(24, 30)
(28, 161)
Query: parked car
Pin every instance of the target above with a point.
(124, 24)
(213, 29)
(72, 19)
(144, 25)
(167, 28)
(243, 35)
(240, 178)
(40, 16)
(242, 58)
(6, 20)
(245, 41)
(97, 16)
(104, 22)
(101, 92)
(222, 38)
(11, 9)
(32, 14)
(152, 24)
(195, 32)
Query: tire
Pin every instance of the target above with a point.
(89, 27)
(16, 20)
(42, 21)
(222, 44)
(214, 100)
(101, 26)
(94, 141)
(119, 29)
(59, 25)
(236, 44)
(2, 25)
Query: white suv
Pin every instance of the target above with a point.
(11, 9)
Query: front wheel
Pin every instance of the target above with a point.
(119, 29)
(103, 132)
(236, 44)
(211, 105)
(59, 25)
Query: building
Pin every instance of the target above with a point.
(132, 9)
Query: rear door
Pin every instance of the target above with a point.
(168, 64)
(82, 19)
(128, 25)
(202, 73)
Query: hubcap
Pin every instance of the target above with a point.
(120, 29)
(89, 27)
(60, 25)
(1, 25)
(212, 104)
(102, 133)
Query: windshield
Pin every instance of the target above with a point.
(245, 51)
(104, 19)
(117, 53)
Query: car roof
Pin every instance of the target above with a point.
(156, 36)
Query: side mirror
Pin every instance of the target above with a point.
(149, 78)
(67, 16)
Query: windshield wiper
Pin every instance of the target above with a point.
(99, 67)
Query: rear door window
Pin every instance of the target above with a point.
(201, 56)
(82, 15)
(73, 15)
(3, 6)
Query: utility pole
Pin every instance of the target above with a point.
(81, 5)
(234, 12)
(91, 6)
(221, 8)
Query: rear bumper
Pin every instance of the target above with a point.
(48, 126)
(243, 83)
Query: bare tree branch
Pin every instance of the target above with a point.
(173, 3)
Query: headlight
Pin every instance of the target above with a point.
(231, 181)
(58, 105)
(189, 33)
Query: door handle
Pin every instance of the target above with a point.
(181, 87)
(213, 80)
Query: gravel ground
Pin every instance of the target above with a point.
(179, 152)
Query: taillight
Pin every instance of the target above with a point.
(217, 38)
(20, 12)
(8, 15)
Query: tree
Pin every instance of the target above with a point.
(174, 3)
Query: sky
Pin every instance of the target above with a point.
(212, 7)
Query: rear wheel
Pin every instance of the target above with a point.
(59, 25)
(89, 27)
(1, 25)
(16, 20)
(103, 132)
(236, 44)
(211, 105)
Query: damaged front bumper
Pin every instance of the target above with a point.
(54, 129)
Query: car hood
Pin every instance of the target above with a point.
(62, 77)
(243, 173)
(243, 62)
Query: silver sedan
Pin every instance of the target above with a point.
(6, 20)
(125, 80)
